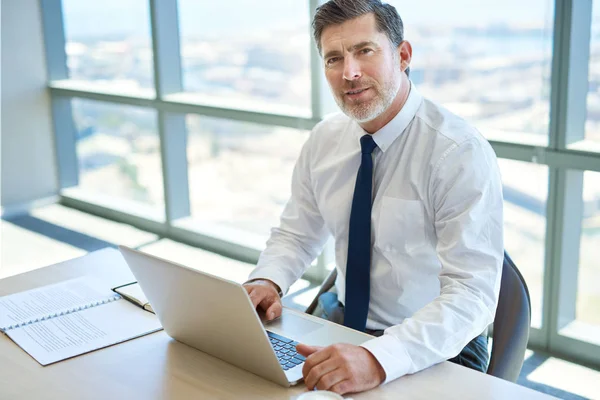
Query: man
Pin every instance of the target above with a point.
(412, 195)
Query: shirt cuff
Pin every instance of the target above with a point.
(391, 354)
(278, 279)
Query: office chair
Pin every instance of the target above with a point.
(511, 322)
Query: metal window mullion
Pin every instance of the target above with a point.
(65, 134)
(317, 272)
(190, 108)
(537, 339)
(573, 159)
(577, 73)
(239, 115)
(560, 65)
(562, 250)
(554, 204)
(567, 125)
(173, 152)
(553, 226)
(520, 152)
(567, 271)
(54, 39)
(65, 142)
(569, 83)
(145, 223)
(557, 133)
(315, 67)
(577, 351)
(165, 46)
(171, 125)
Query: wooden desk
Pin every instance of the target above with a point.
(157, 367)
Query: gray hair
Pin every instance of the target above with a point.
(336, 12)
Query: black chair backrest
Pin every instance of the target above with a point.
(511, 324)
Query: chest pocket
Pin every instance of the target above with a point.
(401, 227)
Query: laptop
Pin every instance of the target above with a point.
(216, 316)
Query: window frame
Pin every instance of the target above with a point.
(570, 55)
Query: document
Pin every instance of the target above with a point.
(35, 304)
(64, 320)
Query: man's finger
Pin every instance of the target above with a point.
(314, 358)
(268, 300)
(307, 350)
(331, 379)
(274, 311)
(256, 296)
(342, 387)
(321, 375)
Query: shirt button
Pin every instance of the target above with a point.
(388, 248)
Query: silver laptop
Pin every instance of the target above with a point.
(216, 316)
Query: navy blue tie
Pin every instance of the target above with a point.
(358, 266)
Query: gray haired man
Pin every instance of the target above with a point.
(412, 196)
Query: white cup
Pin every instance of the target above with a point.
(320, 395)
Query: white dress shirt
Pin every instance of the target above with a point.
(436, 229)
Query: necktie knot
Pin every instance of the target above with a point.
(367, 144)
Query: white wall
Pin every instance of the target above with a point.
(27, 165)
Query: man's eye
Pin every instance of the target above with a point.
(366, 51)
(332, 61)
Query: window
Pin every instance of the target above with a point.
(240, 173)
(118, 153)
(490, 65)
(247, 55)
(245, 104)
(584, 322)
(109, 46)
(525, 189)
(588, 293)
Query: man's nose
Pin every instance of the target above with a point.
(351, 69)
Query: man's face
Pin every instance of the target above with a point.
(362, 69)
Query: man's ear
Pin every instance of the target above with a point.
(405, 55)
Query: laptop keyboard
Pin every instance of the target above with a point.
(285, 349)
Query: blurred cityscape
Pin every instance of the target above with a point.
(495, 76)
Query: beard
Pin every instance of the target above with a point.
(368, 110)
(365, 111)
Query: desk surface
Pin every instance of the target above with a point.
(158, 367)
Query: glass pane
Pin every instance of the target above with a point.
(247, 168)
(592, 126)
(109, 44)
(255, 57)
(490, 65)
(588, 289)
(525, 187)
(118, 150)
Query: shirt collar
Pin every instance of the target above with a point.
(393, 129)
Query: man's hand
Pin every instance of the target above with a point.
(340, 368)
(264, 294)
